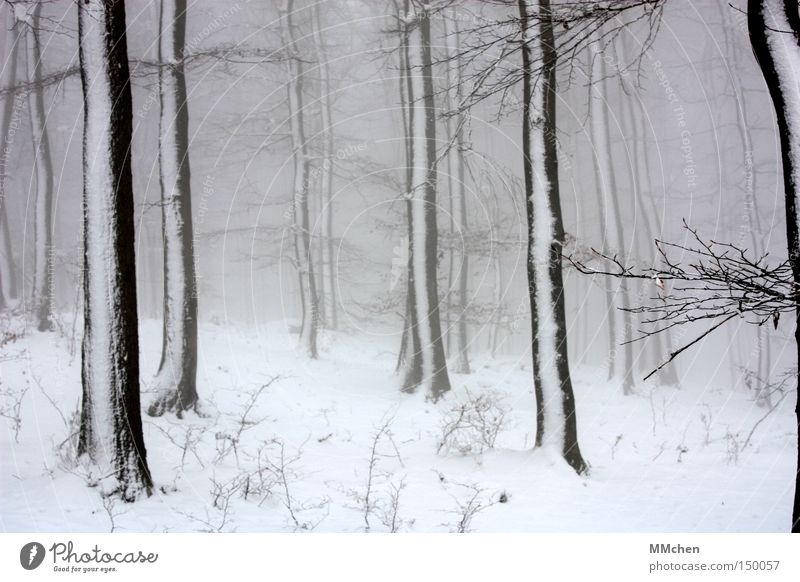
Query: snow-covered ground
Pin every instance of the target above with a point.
(664, 459)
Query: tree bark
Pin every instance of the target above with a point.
(426, 365)
(11, 104)
(774, 27)
(329, 298)
(111, 424)
(556, 420)
(175, 381)
(300, 213)
(607, 186)
(459, 262)
(42, 292)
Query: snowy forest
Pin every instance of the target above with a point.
(399, 265)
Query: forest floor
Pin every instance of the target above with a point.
(287, 444)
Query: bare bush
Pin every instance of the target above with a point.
(472, 425)
(381, 496)
(471, 499)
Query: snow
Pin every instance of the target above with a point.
(327, 412)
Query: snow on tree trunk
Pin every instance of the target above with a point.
(111, 424)
(328, 272)
(556, 426)
(42, 293)
(300, 218)
(607, 187)
(459, 201)
(8, 129)
(775, 36)
(425, 365)
(175, 381)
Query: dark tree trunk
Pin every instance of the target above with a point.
(549, 347)
(176, 377)
(775, 36)
(427, 361)
(111, 422)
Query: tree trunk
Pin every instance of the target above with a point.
(11, 105)
(42, 293)
(175, 381)
(425, 365)
(601, 137)
(111, 422)
(459, 204)
(300, 218)
(775, 36)
(610, 320)
(409, 342)
(556, 426)
(329, 300)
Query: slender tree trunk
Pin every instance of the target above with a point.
(459, 204)
(668, 374)
(752, 224)
(328, 272)
(646, 233)
(425, 366)
(111, 422)
(610, 319)
(602, 141)
(42, 293)
(775, 36)
(175, 380)
(8, 129)
(556, 426)
(300, 213)
(409, 342)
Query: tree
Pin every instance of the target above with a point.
(328, 283)
(111, 423)
(459, 261)
(774, 27)
(607, 190)
(8, 283)
(42, 293)
(300, 213)
(424, 361)
(556, 420)
(176, 377)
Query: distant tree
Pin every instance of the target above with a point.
(457, 127)
(300, 213)
(111, 423)
(328, 292)
(609, 194)
(42, 293)
(13, 36)
(175, 380)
